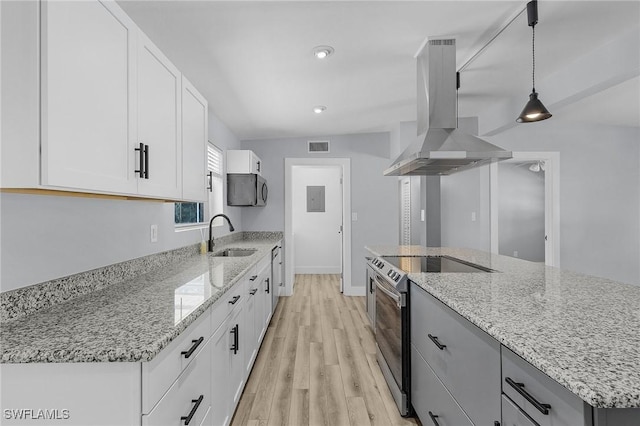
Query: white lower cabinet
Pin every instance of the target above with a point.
(221, 407)
(237, 359)
(188, 398)
(196, 380)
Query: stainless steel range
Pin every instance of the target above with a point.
(388, 274)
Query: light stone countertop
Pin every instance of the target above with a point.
(581, 331)
(133, 320)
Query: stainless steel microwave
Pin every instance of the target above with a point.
(246, 190)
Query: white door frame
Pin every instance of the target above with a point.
(345, 165)
(551, 203)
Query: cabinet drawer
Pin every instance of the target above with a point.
(160, 372)
(565, 407)
(181, 400)
(430, 398)
(468, 363)
(223, 306)
(513, 416)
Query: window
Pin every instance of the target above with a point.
(214, 165)
(190, 213)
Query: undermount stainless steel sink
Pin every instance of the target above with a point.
(234, 252)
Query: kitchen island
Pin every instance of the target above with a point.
(581, 331)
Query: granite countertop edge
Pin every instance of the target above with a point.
(596, 397)
(152, 349)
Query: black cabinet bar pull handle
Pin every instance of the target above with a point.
(434, 339)
(433, 418)
(234, 331)
(253, 291)
(193, 347)
(234, 300)
(140, 170)
(210, 187)
(268, 286)
(519, 387)
(253, 278)
(146, 161)
(188, 418)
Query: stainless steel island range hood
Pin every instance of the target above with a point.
(444, 149)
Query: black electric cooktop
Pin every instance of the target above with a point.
(417, 264)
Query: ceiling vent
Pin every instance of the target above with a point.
(318, 146)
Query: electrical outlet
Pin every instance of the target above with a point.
(473, 216)
(515, 253)
(354, 216)
(154, 233)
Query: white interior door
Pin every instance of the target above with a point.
(292, 250)
(317, 219)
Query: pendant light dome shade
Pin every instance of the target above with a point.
(534, 110)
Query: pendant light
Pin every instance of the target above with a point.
(534, 110)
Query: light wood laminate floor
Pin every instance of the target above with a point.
(317, 364)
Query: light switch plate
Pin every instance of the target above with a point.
(154, 233)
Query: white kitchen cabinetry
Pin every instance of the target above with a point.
(243, 161)
(250, 335)
(195, 131)
(159, 373)
(88, 96)
(203, 371)
(159, 122)
(91, 105)
(221, 397)
(237, 370)
(189, 397)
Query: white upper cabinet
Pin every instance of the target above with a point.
(243, 161)
(159, 122)
(87, 96)
(92, 105)
(194, 143)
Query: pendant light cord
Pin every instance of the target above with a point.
(533, 61)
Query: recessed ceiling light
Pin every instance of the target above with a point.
(319, 109)
(322, 52)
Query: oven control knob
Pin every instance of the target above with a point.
(397, 277)
(390, 273)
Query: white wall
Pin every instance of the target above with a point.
(599, 193)
(462, 195)
(599, 196)
(316, 238)
(48, 237)
(373, 196)
(521, 211)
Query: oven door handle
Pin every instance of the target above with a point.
(395, 297)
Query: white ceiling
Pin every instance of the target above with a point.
(253, 60)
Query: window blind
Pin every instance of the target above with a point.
(214, 160)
